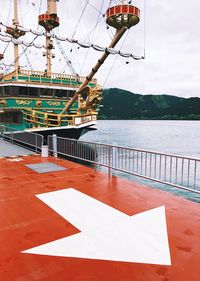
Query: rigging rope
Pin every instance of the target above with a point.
(26, 45)
(40, 7)
(24, 49)
(67, 60)
(94, 7)
(27, 58)
(79, 20)
(98, 48)
(115, 60)
(92, 32)
(6, 48)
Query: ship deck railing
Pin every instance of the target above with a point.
(45, 119)
(44, 77)
(30, 140)
(177, 171)
(173, 170)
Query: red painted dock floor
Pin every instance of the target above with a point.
(27, 222)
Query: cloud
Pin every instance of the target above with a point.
(172, 43)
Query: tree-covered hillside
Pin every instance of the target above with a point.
(121, 104)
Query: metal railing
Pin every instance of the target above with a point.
(45, 119)
(29, 140)
(44, 77)
(174, 170)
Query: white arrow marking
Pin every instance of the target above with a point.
(106, 233)
(15, 160)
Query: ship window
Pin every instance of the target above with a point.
(60, 94)
(1, 91)
(14, 91)
(12, 117)
(46, 92)
(11, 91)
(33, 92)
(23, 91)
(66, 94)
(71, 93)
(8, 91)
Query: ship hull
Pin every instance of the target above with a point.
(34, 139)
(71, 132)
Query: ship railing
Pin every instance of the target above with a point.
(174, 170)
(26, 139)
(46, 119)
(8, 76)
(45, 77)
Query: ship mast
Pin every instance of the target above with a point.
(121, 17)
(16, 47)
(49, 21)
(15, 33)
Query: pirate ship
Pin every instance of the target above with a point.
(48, 103)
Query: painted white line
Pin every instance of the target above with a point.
(15, 160)
(106, 233)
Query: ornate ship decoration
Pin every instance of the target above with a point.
(46, 102)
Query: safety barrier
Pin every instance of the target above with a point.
(174, 170)
(30, 140)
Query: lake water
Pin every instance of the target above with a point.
(177, 137)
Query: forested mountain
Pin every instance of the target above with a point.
(121, 104)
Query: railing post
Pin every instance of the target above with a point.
(55, 148)
(109, 162)
(95, 156)
(36, 143)
(114, 158)
(1, 129)
(4, 132)
(160, 167)
(12, 136)
(48, 143)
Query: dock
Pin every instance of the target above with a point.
(62, 221)
(8, 150)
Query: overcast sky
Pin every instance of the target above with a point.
(172, 44)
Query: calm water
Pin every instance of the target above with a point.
(179, 137)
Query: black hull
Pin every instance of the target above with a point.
(32, 140)
(72, 133)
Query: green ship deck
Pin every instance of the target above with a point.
(44, 78)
